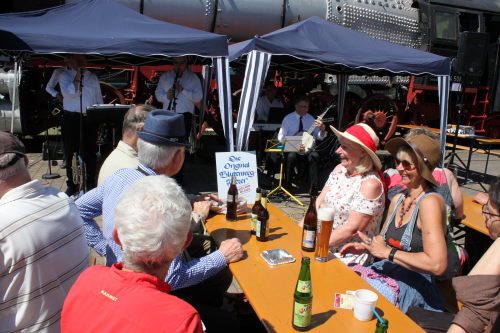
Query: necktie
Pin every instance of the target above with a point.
(301, 126)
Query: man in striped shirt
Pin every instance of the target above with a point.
(42, 245)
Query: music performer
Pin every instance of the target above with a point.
(71, 79)
(180, 90)
(267, 101)
(296, 123)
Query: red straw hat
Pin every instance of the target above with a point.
(363, 135)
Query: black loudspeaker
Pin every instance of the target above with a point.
(471, 56)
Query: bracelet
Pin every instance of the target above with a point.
(392, 254)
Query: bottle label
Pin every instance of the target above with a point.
(232, 198)
(301, 314)
(253, 222)
(318, 226)
(308, 239)
(258, 229)
(304, 286)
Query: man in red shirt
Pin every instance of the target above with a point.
(152, 224)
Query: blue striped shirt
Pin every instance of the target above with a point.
(103, 200)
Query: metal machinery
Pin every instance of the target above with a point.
(430, 25)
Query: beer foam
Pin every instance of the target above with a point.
(326, 214)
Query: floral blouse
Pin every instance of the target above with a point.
(344, 196)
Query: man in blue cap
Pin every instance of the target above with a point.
(161, 146)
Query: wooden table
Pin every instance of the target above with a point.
(473, 217)
(270, 289)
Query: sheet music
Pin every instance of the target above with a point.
(292, 143)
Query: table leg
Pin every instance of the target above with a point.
(469, 158)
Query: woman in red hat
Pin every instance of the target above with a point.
(355, 189)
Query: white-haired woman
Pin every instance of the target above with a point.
(355, 189)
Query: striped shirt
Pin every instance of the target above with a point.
(103, 200)
(42, 252)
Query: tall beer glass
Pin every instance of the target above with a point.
(325, 223)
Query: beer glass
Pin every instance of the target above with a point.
(325, 223)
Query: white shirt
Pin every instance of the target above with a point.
(42, 252)
(263, 107)
(71, 96)
(190, 94)
(290, 126)
(123, 156)
(54, 81)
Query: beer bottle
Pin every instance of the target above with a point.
(262, 227)
(232, 201)
(257, 206)
(302, 298)
(382, 327)
(310, 224)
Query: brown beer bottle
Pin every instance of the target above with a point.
(262, 227)
(302, 298)
(257, 206)
(232, 201)
(310, 224)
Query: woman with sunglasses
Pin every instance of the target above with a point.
(412, 244)
(479, 291)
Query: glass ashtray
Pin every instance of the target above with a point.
(277, 257)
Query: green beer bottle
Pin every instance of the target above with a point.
(382, 327)
(302, 298)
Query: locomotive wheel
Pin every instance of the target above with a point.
(381, 113)
(110, 94)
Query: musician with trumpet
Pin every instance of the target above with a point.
(295, 124)
(180, 90)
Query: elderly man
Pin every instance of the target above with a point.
(161, 148)
(152, 224)
(42, 245)
(125, 153)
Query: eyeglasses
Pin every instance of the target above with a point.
(486, 212)
(405, 164)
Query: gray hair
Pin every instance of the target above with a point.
(365, 165)
(152, 218)
(155, 156)
(11, 170)
(135, 116)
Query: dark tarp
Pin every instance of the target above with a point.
(316, 45)
(107, 28)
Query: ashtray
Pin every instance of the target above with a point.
(277, 257)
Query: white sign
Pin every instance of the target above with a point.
(243, 166)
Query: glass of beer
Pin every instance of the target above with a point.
(325, 223)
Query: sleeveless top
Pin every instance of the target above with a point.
(344, 196)
(408, 237)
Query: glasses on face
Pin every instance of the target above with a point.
(486, 212)
(405, 164)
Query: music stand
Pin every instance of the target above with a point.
(274, 146)
(111, 114)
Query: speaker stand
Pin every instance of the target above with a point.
(49, 175)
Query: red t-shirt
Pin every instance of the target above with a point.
(108, 299)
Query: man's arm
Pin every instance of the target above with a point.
(90, 206)
(54, 80)
(192, 89)
(161, 89)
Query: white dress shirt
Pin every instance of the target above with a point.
(190, 94)
(263, 107)
(71, 95)
(290, 126)
(54, 81)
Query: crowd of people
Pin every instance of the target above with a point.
(164, 273)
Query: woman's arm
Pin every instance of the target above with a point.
(456, 193)
(434, 257)
(369, 189)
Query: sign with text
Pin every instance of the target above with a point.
(243, 166)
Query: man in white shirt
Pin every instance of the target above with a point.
(125, 153)
(266, 102)
(42, 245)
(180, 91)
(70, 79)
(296, 123)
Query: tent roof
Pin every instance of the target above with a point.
(318, 45)
(105, 28)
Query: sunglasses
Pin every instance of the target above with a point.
(486, 212)
(405, 164)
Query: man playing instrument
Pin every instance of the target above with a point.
(295, 124)
(180, 90)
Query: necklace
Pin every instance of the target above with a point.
(407, 209)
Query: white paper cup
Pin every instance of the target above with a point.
(363, 299)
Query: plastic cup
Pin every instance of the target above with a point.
(325, 223)
(363, 300)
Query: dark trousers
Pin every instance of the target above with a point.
(302, 161)
(70, 131)
(188, 118)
